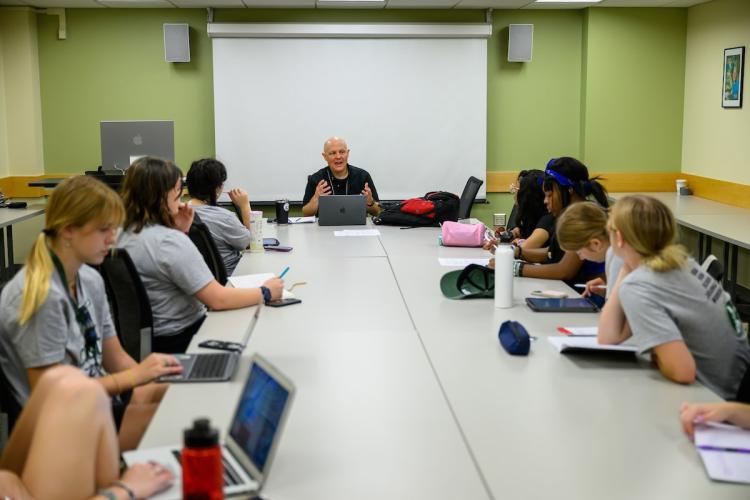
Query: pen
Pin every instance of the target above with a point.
(720, 448)
(583, 285)
(282, 273)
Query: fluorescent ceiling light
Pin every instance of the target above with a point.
(568, 1)
(363, 2)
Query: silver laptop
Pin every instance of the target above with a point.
(212, 367)
(252, 440)
(342, 210)
(125, 141)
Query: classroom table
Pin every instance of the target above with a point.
(405, 394)
(8, 217)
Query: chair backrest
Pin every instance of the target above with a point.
(9, 410)
(713, 267)
(129, 303)
(202, 239)
(468, 196)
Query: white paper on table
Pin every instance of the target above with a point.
(462, 262)
(357, 232)
(302, 220)
(720, 435)
(727, 465)
(579, 331)
(565, 343)
(254, 281)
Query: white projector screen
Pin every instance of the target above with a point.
(413, 111)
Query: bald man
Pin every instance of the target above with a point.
(339, 178)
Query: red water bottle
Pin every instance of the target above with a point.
(202, 468)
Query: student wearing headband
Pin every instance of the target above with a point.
(55, 310)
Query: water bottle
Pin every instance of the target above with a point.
(256, 231)
(503, 275)
(202, 468)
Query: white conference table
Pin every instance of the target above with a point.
(404, 393)
(8, 217)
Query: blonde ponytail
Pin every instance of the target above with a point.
(39, 270)
(671, 257)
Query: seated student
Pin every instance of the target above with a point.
(566, 182)
(205, 180)
(669, 306)
(529, 223)
(55, 310)
(339, 178)
(64, 446)
(177, 279)
(734, 413)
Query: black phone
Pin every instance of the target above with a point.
(270, 242)
(578, 304)
(282, 302)
(222, 345)
(278, 248)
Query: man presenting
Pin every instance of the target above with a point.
(339, 178)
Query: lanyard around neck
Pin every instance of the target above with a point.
(61, 271)
(330, 180)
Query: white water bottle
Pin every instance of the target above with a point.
(504, 276)
(256, 231)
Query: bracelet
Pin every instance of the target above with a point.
(518, 268)
(120, 484)
(107, 493)
(129, 371)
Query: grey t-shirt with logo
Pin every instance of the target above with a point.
(53, 334)
(688, 305)
(230, 236)
(172, 271)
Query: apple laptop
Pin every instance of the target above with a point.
(342, 210)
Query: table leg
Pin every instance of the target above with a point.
(733, 282)
(9, 243)
(700, 247)
(727, 265)
(709, 245)
(2, 254)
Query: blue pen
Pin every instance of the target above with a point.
(720, 448)
(282, 273)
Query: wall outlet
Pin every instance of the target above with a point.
(498, 220)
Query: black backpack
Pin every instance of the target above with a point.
(430, 210)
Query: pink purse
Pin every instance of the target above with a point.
(462, 235)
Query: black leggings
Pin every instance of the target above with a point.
(176, 344)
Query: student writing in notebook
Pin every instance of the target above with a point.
(205, 181)
(671, 308)
(734, 413)
(64, 447)
(55, 310)
(177, 279)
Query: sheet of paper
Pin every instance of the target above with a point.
(445, 262)
(722, 436)
(357, 232)
(565, 343)
(302, 220)
(254, 281)
(727, 465)
(578, 331)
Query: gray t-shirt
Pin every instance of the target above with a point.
(172, 271)
(230, 236)
(53, 334)
(612, 267)
(689, 305)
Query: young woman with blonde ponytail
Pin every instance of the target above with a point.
(671, 308)
(55, 310)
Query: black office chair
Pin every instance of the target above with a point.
(468, 196)
(129, 303)
(713, 268)
(9, 410)
(202, 239)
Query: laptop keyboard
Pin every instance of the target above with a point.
(210, 365)
(231, 477)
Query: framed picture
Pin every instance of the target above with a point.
(734, 65)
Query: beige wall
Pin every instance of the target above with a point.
(715, 140)
(20, 106)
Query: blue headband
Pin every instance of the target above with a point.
(561, 179)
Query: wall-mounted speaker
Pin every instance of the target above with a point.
(520, 40)
(177, 42)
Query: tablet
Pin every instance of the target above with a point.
(578, 304)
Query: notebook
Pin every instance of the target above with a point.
(342, 210)
(211, 367)
(252, 439)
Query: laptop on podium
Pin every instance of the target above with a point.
(342, 210)
(251, 442)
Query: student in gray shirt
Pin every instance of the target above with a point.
(55, 310)
(205, 180)
(177, 280)
(673, 310)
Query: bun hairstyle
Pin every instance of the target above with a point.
(147, 184)
(530, 200)
(648, 226)
(569, 173)
(74, 202)
(204, 178)
(579, 224)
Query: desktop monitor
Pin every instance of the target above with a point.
(125, 141)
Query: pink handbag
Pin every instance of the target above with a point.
(462, 235)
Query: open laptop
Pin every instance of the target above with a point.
(342, 210)
(124, 141)
(252, 440)
(212, 367)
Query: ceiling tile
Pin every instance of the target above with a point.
(136, 4)
(634, 3)
(492, 4)
(87, 4)
(421, 4)
(236, 4)
(351, 4)
(280, 4)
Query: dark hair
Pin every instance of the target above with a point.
(204, 178)
(530, 201)
(147, 183)
(578, 174)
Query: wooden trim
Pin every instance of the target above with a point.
(18, 186)
(730, 193)
(616, 182)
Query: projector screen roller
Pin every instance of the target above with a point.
(413, 111)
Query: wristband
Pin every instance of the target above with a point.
(120, 484)
(518, 268)
(129, 371)
(266, 294)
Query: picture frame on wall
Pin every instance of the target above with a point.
(734, 70)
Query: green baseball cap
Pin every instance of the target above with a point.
(472, 282)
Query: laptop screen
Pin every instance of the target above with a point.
(259, 415)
